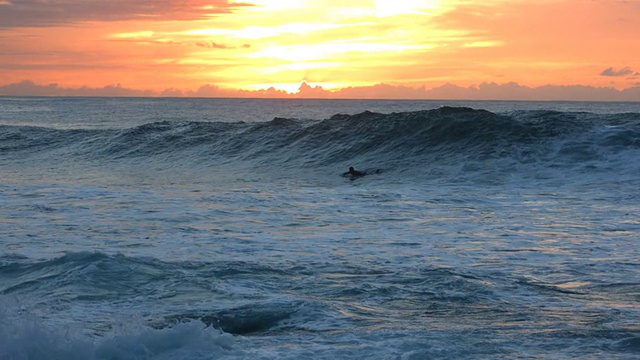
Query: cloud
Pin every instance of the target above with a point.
(42, 13)
(29, 88)
(381, 91)
(216, 91)
(214, 45)
(483, 91)
(494, 91)
(622, 72)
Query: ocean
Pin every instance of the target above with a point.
(158, 228)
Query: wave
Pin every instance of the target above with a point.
(449, 136)
(234, 309)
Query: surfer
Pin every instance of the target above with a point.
(353, 172)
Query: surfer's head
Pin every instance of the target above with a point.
(351, 168)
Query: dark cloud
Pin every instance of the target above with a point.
(42, 13)
(622, 72)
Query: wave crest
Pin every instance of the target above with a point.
(423, 139)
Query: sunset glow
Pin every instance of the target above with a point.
(258, 44)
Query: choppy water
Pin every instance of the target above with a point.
(206, 229)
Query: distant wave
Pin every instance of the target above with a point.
(464, 137)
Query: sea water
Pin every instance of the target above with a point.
(223, 228)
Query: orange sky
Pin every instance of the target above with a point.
(183, 45)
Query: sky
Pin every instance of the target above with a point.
(542, 49)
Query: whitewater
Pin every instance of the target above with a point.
(139, 228)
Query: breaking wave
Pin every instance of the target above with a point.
(437, 141)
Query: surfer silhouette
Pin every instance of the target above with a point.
(353, 172)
